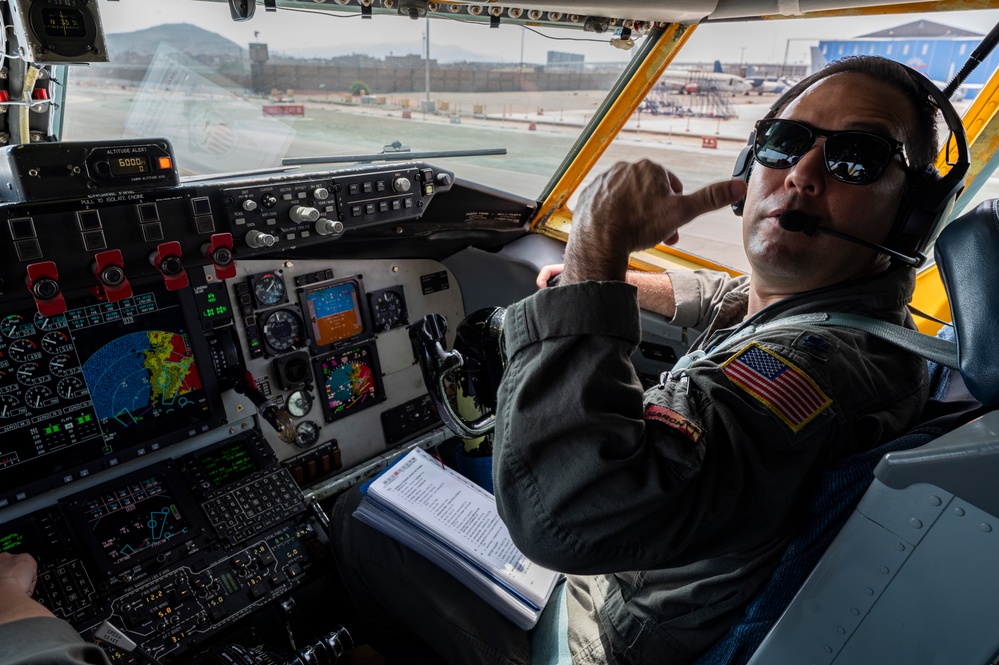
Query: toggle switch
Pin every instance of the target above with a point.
(110, 271)
(219, 252)
(166, 259)
(43, 283)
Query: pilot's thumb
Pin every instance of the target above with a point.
(714, 196)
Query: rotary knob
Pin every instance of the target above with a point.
(327, 227)
(303, 214)
(258, 239)
(401, 184)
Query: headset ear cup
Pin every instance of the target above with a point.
(925, 202)
(743, 168)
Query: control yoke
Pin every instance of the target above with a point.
(475, 366)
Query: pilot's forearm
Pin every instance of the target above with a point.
(655, 292)
(16, 604)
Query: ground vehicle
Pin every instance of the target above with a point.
(315, 308)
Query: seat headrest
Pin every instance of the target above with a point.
(967, 253)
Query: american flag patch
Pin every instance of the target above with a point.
(777, 384)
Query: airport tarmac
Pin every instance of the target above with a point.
(536, 129)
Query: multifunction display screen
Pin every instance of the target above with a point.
(349, 380)
(334, 313)
(88, 384)
(135, 519)
(230, 463)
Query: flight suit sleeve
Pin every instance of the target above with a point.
(698, 293)
(593, 475)
(46, 641)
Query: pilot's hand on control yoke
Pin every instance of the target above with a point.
(633, 207)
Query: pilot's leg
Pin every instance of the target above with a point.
(398, 593)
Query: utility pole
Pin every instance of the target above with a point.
(426, 64)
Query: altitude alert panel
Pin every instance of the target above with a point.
(60, 32)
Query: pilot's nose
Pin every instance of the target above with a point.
(809, 173)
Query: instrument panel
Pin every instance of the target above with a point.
(155, 338)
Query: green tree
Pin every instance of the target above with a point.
(358, 88)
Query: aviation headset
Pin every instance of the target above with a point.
(929, 197)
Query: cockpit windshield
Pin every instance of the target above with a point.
(303, 82)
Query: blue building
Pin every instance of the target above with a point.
(936, 50)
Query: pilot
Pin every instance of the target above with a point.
(29, 633)
(669, 508)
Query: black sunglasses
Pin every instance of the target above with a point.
(853, 157)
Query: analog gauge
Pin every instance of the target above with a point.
(306, 434)
(56, 341)
(62, 365)
(15, 327)
(70, 387)
(9, 406)
(50, 322)
(389, 310)
(282, 330)
(40, 397)
(268, 289)
(299, 403)
(31, 374)
(23, 350)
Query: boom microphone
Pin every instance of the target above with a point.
(797, 221)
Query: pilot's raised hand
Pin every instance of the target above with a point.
(632, 207)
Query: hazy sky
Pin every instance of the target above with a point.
(764, 41)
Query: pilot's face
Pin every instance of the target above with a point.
(791, 262)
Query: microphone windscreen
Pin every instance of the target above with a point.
(795, 220)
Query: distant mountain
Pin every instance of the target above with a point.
(198, 42)
(184, 37)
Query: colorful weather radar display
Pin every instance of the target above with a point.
(102, 380)
(136, 519)
(142, 377)
(350, 381)
(334, 313)
(139, 374)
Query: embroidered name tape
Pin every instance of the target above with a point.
(777, 384)
(674, 420)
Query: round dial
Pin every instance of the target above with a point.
(30, 374)
(23, 350)
(14, 326)
(268, 289)
(282, 330)
(9, 406)
(306, 434)
(62, 365)
(50, 322)
(70, 387)
(39, 397)
(389, 310)
(299, 403)
(56, 341)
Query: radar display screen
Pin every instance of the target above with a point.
(231, 463)
(349, 380)
(98, 380)
(333, 312)
(133, 519)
